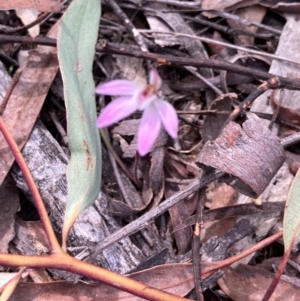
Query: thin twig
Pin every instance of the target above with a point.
(227, 30)
(127, 50)
(4, 39)
(175, 3)
(128, 24)
(197, 246)
(228, 16)
(143, 221)
(203, 112)
(204, 79)
(169, 60)
(21, 29)
(245, 21)
(55, 247)
(211, 41)
(10, 89)
(278, 274)
(119, 161)
(290, 140)
(275, 111)
(211, 267)
(272, 83)
(59, 128)
(117, 174)
(6, 57)
(200, 85)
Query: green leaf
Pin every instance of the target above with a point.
(76, 49)
(291, 220)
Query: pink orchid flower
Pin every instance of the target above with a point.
(131, 98)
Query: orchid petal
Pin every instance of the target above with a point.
(144, 102)
(148, 130)
(168, 117)
(117, 87)
(155, 79)
(117, 110)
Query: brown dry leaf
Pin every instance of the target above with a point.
(180, 168)
(221, 195)
(27, 16)
(288, 47)
(152, 175)
(130, 128)
(285, 115)
(293, 161)
(253, 13)
(132, 204)
(173, 278)
(159, 25)
(156, 175)
(30, 238)
(188, 134)
(222, 5)
(248, 283)
(178, 213)
(220, 50)
(234, 211)
(282, 6)
(9, 205)
(213, 124)
(153, 186)
(27, 99)
(233, 59)
(156, 169)
(131, 68)
(49, 6)
(275, 192)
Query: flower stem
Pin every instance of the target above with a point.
(117, 158)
